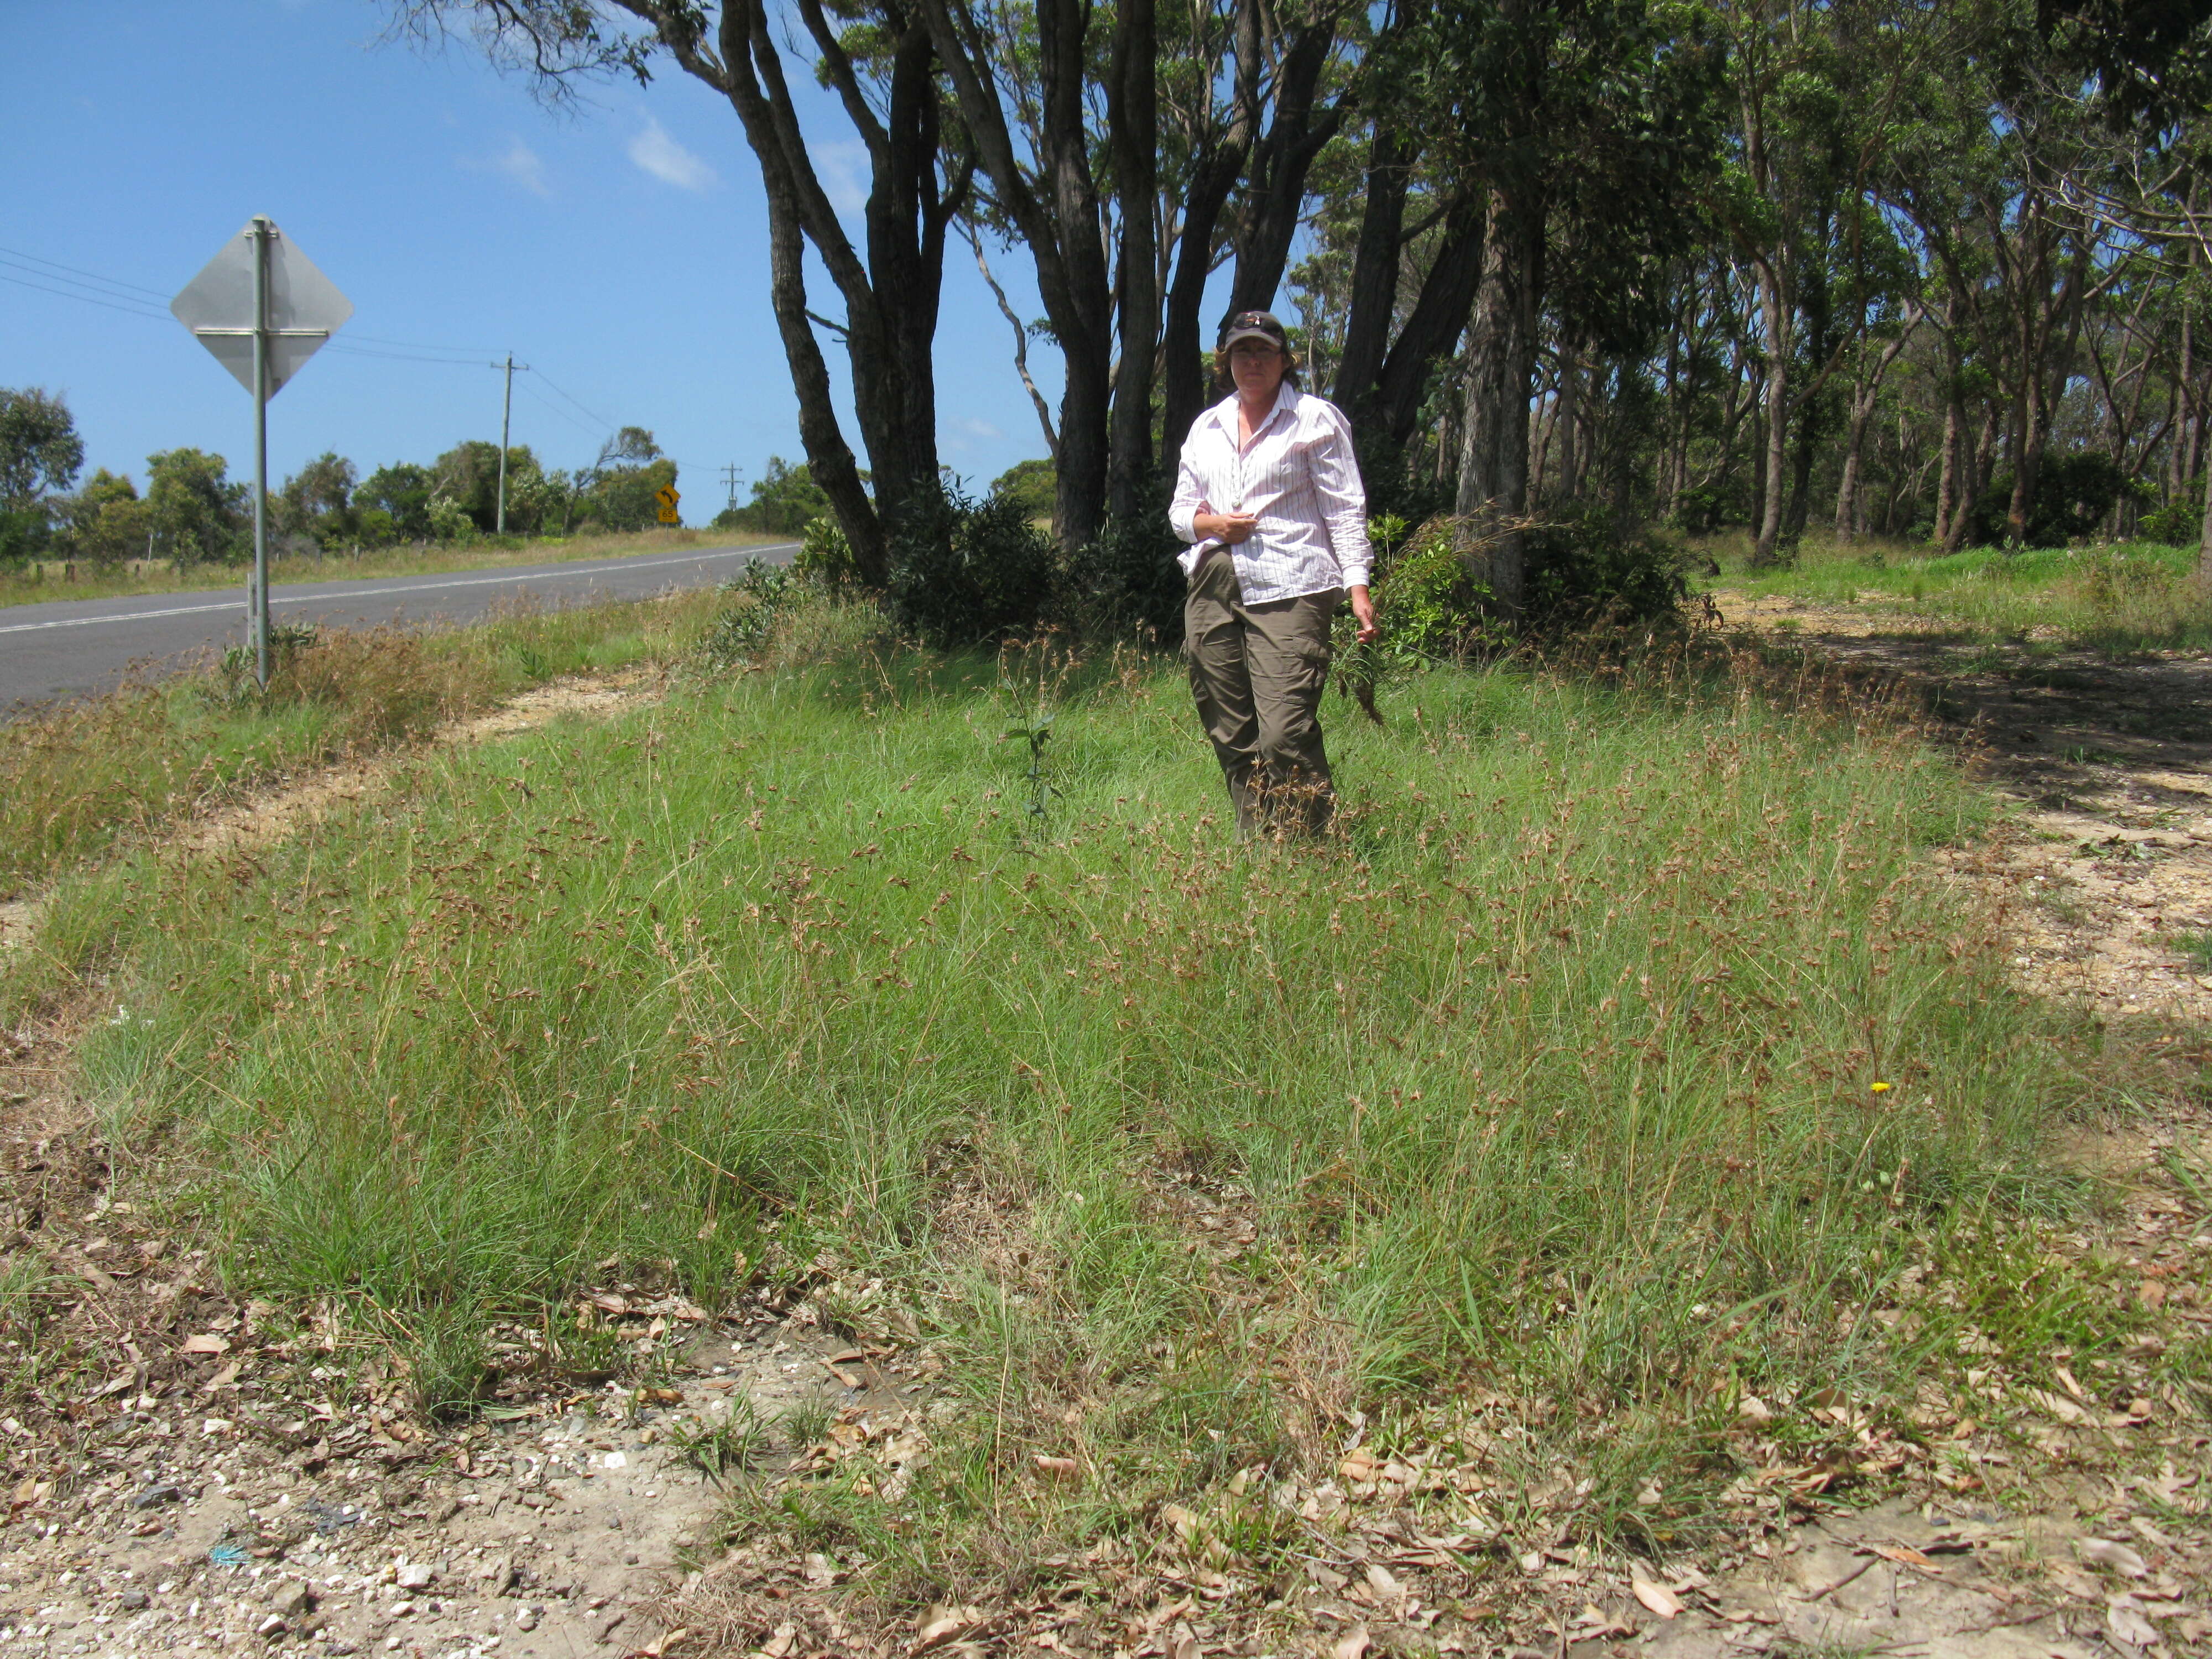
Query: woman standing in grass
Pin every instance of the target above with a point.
(1269, 497)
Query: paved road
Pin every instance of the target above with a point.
(73, 648)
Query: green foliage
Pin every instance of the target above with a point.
(624, 496)
(1590, 565)
(401, 493)
(106, 522)
(198, 514)
(25, 533)
(1426, 602)
(785, 500)
(758, 598)
(41, 452)
(1584, 566)
(316, 502)
(1127, 581)
(1031, 483)
(965, 572)
(825, 557)
(451, 521)
(2074, 496)
(2179, 523)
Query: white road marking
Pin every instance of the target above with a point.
(276, 599)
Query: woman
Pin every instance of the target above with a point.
(1268, 496)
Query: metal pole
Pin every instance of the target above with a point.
(261, 233)
(506, 410)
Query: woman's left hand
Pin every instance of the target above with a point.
(1363, 608)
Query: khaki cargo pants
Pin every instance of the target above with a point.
(1258, 672)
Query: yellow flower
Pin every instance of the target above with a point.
(1881, 1088)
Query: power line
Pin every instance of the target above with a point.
(605, 425)
(92, 289)
(353, 350)
(424, 345)
(88, 299)
(56, 264)
(547, 403)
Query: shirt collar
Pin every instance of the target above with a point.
(1286, 402)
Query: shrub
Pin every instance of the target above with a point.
(1427, 602)
(1702, 508)
(825, 557)
(1592, 565)
(24, 534)
(759, 597)
(2179, 523)
(1128, 578)
(2074, 495)
(450, 520)
(965, 572)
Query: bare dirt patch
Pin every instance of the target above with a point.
(2106, 866)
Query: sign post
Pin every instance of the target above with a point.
(667, 497)
(262, 310)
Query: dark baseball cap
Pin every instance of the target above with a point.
(1253, 325)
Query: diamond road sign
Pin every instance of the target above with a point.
(305, 308)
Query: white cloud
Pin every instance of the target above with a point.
(842, 169)
(520, 163)
(959, 436)
(658, 154)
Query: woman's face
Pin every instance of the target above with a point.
(1257, 367)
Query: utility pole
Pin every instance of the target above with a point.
(730, 478)
(506, 415)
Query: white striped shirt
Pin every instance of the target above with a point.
(1299, 475)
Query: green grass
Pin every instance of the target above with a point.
(76, 778)
(2131, 598)
(45, 581)
(1552, 1077)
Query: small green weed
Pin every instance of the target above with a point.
(734, 1439)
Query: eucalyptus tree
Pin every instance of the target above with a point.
(1590, 125)
(878, 57)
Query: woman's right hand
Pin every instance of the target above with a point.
(1228, 527)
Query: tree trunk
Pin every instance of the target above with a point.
(1282, 159)
(1133, 120)
(1774, 314)
(1948, 514)
(892, 299)
(2204, 537)
(1373, 296)
(1186, 374)
(828, 459)
(1493, 473)
(1438, 318)
(1566, 425)
(1058, 218)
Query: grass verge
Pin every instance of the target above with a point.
(2123, 599)
(1620, 1062)
(76, 778)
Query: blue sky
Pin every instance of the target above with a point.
(620, 250)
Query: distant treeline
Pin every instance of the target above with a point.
(785, 498)
(191, 511)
